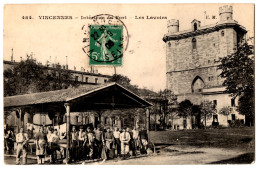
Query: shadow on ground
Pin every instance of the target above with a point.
(247, 158)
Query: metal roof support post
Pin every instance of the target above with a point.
(148, 122)
(20, 123)
(67, 107)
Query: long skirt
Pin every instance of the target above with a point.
(42, 148)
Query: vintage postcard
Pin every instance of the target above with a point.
(129, 84)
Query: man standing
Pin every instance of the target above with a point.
(53, 141)
(99, 142)
(124, 138)
(144, 141)
(136, 139)
(81, 138)
(22, 142)
(117, 141)
(74, 144)
(9, 141)
(109, 138)
(90, 143)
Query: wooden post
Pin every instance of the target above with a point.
(148, 122)
(67, 107)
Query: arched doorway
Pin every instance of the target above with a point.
(197, 84)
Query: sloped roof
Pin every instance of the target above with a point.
(64, 95)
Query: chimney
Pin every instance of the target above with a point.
(12, 56)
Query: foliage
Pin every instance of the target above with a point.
(29, 77)
(238, 72)
(207, 110)
(236, 124)
(124, 81)
(225, 111)
(185, 108)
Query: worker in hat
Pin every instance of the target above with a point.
(109, 141)
(124, 138)
(81, 140)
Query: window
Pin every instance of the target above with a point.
(55, 120)
(233, 102)
(105, 80)
(96, 80)
(184, 123)
(222, 33)
(210, 78)
(86, 120)
(76, 78)
(86, 79)
(194, 45)
(215, 118)
(77, 119)
(215, 103)
(197, 84)
(195, 26)
(169, 44)
(106, 120)
(233, 116)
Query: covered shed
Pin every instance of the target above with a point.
(109, 96)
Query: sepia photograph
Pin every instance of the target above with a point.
(128, 84)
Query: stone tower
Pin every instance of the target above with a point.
(226, 13)
(191, 55)
(173, 26)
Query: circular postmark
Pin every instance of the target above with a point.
(105, 40)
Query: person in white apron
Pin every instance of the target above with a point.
(41, 143)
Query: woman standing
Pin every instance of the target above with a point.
(41, 143)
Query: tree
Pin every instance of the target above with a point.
(29, 77)
(185, 108)
(124, 81)
(225, 111)
(207, 110)
(238, 72)
(196, 111)
(165, 99)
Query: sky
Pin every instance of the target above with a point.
(144, 61)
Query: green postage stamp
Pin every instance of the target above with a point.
(106, 45)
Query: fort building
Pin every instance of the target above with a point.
(191, 67)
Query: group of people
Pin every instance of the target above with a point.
(107, 143)
(45, 144)
(85, 144)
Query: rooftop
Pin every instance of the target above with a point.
(203, 29)
(67, 95)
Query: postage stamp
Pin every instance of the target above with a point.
(105, 40)
(105, 47)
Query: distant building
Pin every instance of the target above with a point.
(83, 77)
(191, 67)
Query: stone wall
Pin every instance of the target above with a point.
(184, 63)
